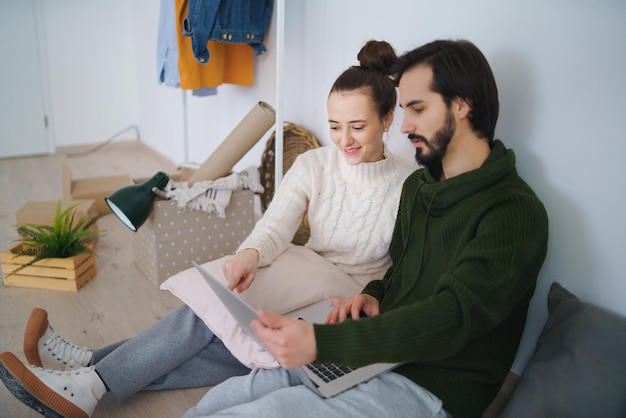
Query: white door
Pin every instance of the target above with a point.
(24, 120)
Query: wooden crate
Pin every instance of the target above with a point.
(69, 274)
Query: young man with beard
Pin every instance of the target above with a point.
(468, 244)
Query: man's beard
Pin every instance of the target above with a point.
(437, 146)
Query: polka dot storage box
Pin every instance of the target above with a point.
(172, 238)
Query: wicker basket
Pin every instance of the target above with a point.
(296, 140)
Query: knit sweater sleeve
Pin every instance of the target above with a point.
(276, 228)
(495, 269)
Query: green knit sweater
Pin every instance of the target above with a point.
(466, 253)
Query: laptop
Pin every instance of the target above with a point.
(326, 380)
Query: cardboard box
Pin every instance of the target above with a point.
(96, 188)
(42, 212)
(171, 237)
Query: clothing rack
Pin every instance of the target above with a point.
(279, 144)
(280, 50)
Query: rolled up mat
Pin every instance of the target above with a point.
(247, 133)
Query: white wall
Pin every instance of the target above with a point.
(160, 108)
(92, 69)
(560, 66)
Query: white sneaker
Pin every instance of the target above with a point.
(44, 347)
(52, 393)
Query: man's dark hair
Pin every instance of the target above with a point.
(460, 70)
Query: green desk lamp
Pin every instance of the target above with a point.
(133, 204)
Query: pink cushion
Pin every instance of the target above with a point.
(297, 278)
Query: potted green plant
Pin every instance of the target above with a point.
(66, 238)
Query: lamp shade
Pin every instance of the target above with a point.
(133, 204)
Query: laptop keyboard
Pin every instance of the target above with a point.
(329, 372)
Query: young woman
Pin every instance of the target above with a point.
(350, 193)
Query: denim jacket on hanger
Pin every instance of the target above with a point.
(234, 21)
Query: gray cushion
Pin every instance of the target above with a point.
(579, 366)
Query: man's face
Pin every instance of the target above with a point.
(430, 125)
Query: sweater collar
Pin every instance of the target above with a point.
(499, 164)
(368, 174)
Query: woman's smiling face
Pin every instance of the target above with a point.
(355, 127)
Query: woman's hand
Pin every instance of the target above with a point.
(352, 307)
(241, 269)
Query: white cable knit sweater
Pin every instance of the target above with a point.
(351, 211)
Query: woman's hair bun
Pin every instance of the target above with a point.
(379, 56)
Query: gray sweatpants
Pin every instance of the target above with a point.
(274, 393)
(177, 352)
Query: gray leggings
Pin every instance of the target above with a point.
(177, 352)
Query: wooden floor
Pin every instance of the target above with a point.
(117, 304)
